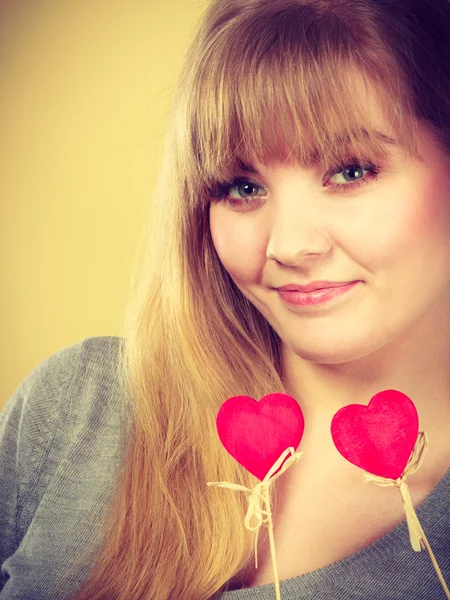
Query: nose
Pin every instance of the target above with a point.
(297, 235)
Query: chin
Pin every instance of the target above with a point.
(328, 353)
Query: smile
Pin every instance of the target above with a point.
(316, 297)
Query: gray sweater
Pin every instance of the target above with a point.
(60, 448)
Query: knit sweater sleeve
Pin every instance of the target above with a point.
(60, 452)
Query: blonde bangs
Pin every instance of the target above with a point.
(272, 92)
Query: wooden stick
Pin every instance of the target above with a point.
(272, 545)
(433, 560)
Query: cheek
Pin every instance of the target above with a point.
(411, 233)
(433, 216)
(425, 215)
(416, 209)
(239, 245)
(430, 226)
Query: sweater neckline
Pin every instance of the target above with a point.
(430, 512)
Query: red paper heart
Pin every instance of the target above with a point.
(379, 437)
(257, 433)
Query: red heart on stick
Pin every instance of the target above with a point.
(257, 433)
(379, 437)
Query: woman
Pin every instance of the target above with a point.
(309, 141)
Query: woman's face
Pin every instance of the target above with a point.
(393, 235)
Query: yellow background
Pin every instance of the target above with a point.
(85, 90)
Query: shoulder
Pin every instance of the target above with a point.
(73, 380)
(93, 357)
(72, 395)
(62, 441)
(69, 407)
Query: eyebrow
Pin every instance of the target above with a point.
(340, 138)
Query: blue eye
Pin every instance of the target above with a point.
(245, 185)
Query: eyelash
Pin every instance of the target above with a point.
(222, 193)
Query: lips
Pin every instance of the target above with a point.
(313, 286)
(318, 296)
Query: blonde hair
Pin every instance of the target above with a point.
(270, 79)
